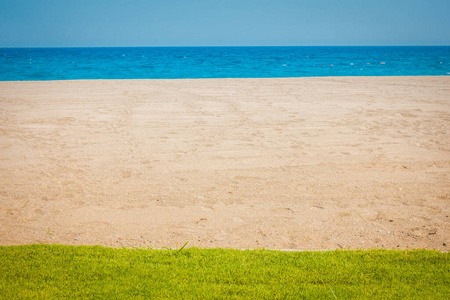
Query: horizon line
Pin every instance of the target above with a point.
(223, 46)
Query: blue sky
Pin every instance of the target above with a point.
(110, 23)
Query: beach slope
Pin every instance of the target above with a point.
(292, 163)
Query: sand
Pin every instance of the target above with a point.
(295, 163)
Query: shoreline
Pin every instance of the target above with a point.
(281, 163)
(228, 78)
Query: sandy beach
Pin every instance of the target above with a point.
(294, 163)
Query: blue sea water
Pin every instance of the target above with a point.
(220, 62)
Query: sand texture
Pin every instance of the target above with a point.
(295, 163)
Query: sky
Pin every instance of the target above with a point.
(136, 23)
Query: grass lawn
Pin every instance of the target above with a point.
(54, 271)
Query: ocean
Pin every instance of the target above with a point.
(18, 64)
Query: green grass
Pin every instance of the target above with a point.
(53, 271)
